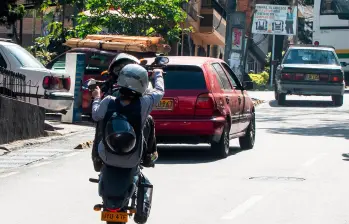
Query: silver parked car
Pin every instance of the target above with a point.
(310, 70)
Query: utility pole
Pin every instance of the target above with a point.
(250, 37)
(295, 37)
(184, 25)
(230, 8)
(235, 38)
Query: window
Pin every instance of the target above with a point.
(222, 75)
(232, 77)
(24, 57)
(97, 63)
(184, 78)
(310, 56)
(334, 7)
(59, 63)
(2, 62)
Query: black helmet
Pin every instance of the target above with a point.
(119, 137)
(120, 61)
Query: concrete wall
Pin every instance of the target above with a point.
(20, 120)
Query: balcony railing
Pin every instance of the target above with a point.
(191, 11)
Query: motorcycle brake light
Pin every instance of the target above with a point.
(113, 210)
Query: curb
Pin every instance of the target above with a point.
(50, 136)
(84, 145)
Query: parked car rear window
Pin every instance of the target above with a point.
(24, 57)
(184, 77)
(311, 56)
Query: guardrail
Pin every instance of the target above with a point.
(15, 85)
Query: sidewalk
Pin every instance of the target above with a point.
(54, 130)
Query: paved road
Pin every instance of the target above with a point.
(295, 174)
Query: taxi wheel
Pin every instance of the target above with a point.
(276, 95)
(338, 100)
(281, 98)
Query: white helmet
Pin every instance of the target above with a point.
(134, 77)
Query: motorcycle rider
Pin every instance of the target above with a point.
(115, 66)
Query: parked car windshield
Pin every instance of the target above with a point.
(24, 57)
(184, 77)
(310, 56)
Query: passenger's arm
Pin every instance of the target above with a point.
(99, 108)
(152, 98)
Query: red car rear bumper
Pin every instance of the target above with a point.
(206, 128)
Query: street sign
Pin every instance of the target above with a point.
(275, 19)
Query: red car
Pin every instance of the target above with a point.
(204, 102)
(97, 61)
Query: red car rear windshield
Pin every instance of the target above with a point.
(184, 77)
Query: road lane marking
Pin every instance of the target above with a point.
(71, 154)
(242, 208)
(41, 164)
(8, 174)
(313, 160)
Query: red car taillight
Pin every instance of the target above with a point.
(46, 82)
(205, 105)
(336, 78)
(295, 77)
(286, 76)
(299, 77)
(52, 82)
(67, 83)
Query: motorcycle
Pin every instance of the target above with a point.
(125, 193)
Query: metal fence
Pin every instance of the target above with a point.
(16, 85)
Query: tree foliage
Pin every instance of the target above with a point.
(136, 17)
(10, 12)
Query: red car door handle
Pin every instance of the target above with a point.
(239, 99)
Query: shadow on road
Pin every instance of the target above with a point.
(337, 128)
(174, 154)
(303, 103)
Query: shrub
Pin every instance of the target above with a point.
(260, 79)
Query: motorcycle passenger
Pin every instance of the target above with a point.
(116, 65)
(135, 104)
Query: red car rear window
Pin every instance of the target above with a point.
(184, 77)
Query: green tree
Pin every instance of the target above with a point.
(137, 17)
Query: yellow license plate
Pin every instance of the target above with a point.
(164, 105)
(313, 77)
(114, 216)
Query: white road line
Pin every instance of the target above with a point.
(71, 154)
(313, 160)
(8, 174)
(41, 164)
(242, 208)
